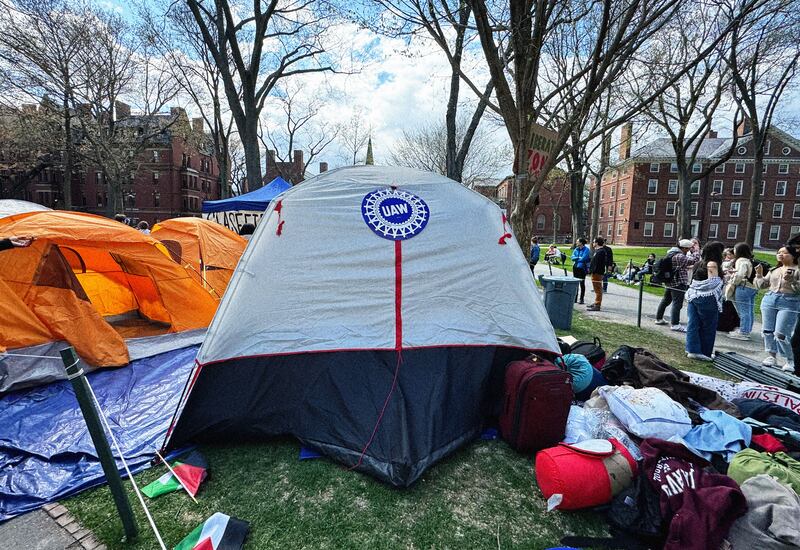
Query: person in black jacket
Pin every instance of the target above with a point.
(602, 260)
(15, 242)
(794, 240)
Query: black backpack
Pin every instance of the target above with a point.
(619, 368)
(765, 267)
(593, 351)
(662, 270)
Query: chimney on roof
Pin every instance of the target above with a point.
(123, 110)
(323, 167)
(197, 125)
(178, 112)
(298, 158)
(744, 127)
(625, 141)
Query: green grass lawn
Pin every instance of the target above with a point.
(484, 496)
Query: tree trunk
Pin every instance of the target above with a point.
(67, 183)
(577, 184)
(684, 219)
(755, 192)
(596, 210)
(252, 154)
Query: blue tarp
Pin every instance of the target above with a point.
(254, 200)
(46, 452)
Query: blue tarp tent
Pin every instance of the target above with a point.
(257, 200)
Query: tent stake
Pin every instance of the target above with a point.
(81, 387)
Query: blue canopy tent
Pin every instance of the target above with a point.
(234, 212)
(254, 200)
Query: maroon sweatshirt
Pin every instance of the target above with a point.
(699, 504)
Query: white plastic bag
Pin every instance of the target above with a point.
(647, 412)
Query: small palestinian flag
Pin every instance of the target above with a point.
(219, 532)
(192, 471)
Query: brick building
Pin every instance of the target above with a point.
(638, 196)
(173, 178)
(553, 216)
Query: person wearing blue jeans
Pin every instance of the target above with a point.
(746, 307)
(780, 307)
(704, 299)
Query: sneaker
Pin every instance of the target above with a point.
(580, 302)
(788, 367)
(592, 307)
(679, 328)
(661, 322)
(736, 335)
(769, 361)
(699, 357)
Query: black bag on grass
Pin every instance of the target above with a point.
(619, 368)
(593, 351)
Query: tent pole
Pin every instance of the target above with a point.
(81, 387)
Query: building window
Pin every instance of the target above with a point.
(715, 208)
(655, 167)
(673, 167)
(622, 188)
(764, 168)
(601, 212)
(619, 229)
(601, 194)
(650, 209)
(156, 175)
(695, 187)
(733, 230)
(797, 190)
(735, 207)
(780, 189)
(648, 229)
(98, 178)
(763, 188)
(540, 221)
(672, 188)
(671, 205)
(608, 230)
(99, 199)
(738, 185)
(622, 209)
(742, 150)
(156, 199)
(782, 169)
(156, 156)
(669, 228)
(720, 169)
(777, 210)
(613, 190)
(796, 211)
(652, 187)
(694, 207)
(739, 168)
(717, 187)
(786, 151)
(774, 232)
(697, 168)
(795, 230)
(760, 204)
(713, 230)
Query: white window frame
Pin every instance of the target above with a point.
(778, 192)
(672, 187)
(794, 230)
(601, 212)
(797, 189)
(671, 227)
(777, 232)
(695, 206)
(739, 168)
(738, 206)
(763, 188)
(713, 230)
(543, 219)
(764, 168)
(648, 229)
(783, 168)
(673, 167)
(623, 189)
(796, 211)
(652, 183)
(697, 168)
(720, 169)
(740, 184)
(621, 211)
(694, 188)
(655, 167)
(760, 208)
(735, 227)
(620, 225)
(716, 205)
(721, 184)
(650, 208)
(777, 210)
(613, 190)
(674, 205)
(609, 229)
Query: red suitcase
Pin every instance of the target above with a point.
(537, 399)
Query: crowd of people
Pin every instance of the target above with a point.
(704, 278)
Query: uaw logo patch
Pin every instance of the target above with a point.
(394, 214)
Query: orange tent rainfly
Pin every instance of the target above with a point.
(207, 249)
(93, 283)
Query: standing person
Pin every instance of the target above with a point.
(780, 307)
(580, 266)
(601, 261)
(535, 251)
(676, 288)
(794, 240)
(704, 298)
(143, 227)
(744, 291)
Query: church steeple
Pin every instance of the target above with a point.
(370, 160)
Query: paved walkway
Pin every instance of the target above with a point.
(621, 304)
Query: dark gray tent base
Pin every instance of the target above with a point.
(332, 402)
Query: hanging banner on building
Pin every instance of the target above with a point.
(234, 219)
(543, 142)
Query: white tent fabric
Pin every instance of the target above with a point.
(316, 277)
(9, 207)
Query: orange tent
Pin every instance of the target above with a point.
(91, 282)
(206, 248)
